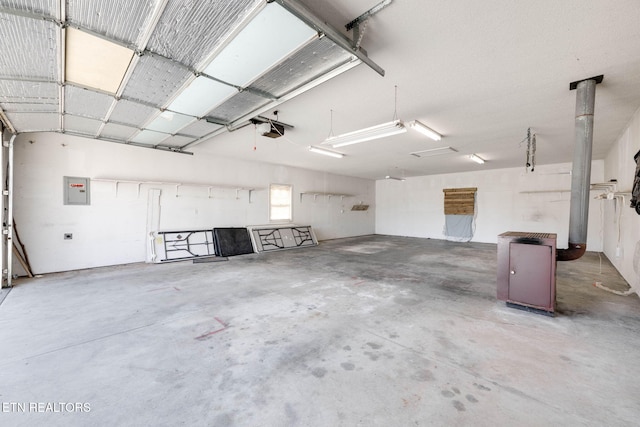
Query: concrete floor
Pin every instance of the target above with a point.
(369, 331)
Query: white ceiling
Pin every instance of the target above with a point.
(480, 73)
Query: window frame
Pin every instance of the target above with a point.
(273, 187)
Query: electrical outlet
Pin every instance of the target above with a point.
(68, 236)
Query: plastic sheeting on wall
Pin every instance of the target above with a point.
(459, 228)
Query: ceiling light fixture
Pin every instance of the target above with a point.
(367, 134)
(434, 152)
(394, 177)
(425, 130)
(476, 159)
(393, 127)
(319, 150)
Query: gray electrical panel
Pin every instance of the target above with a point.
(76, 190)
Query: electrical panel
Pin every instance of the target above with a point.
(76, 190)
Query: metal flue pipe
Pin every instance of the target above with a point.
(581, 170)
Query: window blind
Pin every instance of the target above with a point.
(459, 201)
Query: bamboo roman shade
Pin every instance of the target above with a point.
(459, 201)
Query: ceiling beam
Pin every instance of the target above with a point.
(360, 19)
(28, 14)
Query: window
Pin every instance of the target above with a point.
(280, 201)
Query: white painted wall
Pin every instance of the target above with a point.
(622, 224)
(415, 207)
(112, 230)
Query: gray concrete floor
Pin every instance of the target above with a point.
(370, 331)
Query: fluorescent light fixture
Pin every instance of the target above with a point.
(201, 96)
(434, 152)
(319, 150)
(425, 130)
(95, 62)
(270, 37)
(476, 159)
(367, 134)
(394, 177)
